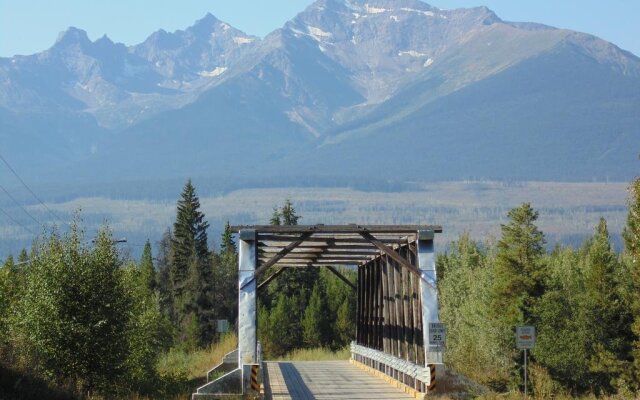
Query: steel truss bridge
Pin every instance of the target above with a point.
(396, 291)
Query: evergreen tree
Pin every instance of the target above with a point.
(163, 277)
(189, 237)
(607, 316)
(147, 271)
(149, 331)
(564, 331)
(285, 334)
(465, 302)
(225, 270)
(519, 277)
(227, 243)
(288, 213)
(631, 237)
(315, 323)
(191, 273)
(276, 218)
(294, 281)
(23, 257)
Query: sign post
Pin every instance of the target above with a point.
(525, 339)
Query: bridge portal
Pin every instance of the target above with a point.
(397, 295)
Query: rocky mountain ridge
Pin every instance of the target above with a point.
(342, 82)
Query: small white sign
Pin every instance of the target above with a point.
(437, 334)
(525, 337)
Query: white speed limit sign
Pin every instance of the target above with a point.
(437, 334)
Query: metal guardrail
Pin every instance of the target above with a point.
(416, 372)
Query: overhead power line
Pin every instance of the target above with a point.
(20, 205)
(13, 171)
(18, 223)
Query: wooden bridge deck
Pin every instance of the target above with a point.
(324, 380)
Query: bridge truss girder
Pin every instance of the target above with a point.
(397, 296)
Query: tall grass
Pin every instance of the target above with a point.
(317, 354)
(194, 364)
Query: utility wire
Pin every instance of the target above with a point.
(18, 223)
(54, 215)
(21, 207)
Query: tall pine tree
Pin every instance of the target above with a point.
(519, 276)
(631, 237)
(147, 271)
(191, 275)
(605, 313)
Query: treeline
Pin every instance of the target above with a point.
(584, 303)
(78, 320)
(305, 307)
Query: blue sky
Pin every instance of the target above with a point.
(29, 26)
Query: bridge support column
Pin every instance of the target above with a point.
(428, 291)
(247, 305)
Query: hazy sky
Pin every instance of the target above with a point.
(29, 26)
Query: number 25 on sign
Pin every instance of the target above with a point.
(437, 334)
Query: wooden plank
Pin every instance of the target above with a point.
(352, 228)
(343, 240)
(282, 253)
(406, 290)
(345, 260)
(359, 307)
(392, 307)
(326, 250)
(319, 246)
(380, 303)
(390, 252)
(342, 277)
(399, 309)
(385, 306)
(374, 295)
(271, 277)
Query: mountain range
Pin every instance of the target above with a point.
(378, 89)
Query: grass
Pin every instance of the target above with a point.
(195, 364)
(317, 354)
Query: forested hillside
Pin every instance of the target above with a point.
(77, 320)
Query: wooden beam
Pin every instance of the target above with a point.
(271, 277)
(345, 240)
(282, 253)
(342, 277)
(391, 253)
(331, 229)
(300, 264)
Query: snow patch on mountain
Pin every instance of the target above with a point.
(411, 53)
(242, 40)
(318, 33)
(374, 10)
(214, 72)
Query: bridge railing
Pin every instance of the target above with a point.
(406, 372)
